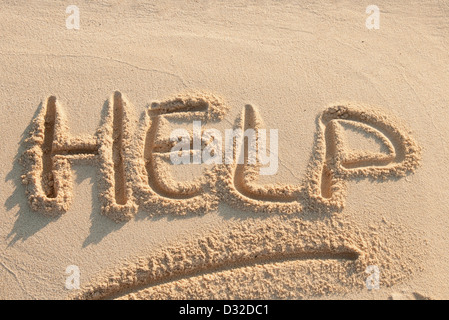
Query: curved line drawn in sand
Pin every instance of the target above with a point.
(257, 259)
(247, 245)
(133, 169)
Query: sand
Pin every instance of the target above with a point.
(85, 162)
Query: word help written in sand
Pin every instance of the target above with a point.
(133, 156)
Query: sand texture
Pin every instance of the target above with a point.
(86, 164)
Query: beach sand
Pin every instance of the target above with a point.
(359, 197)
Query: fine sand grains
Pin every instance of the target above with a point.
(301, 225)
